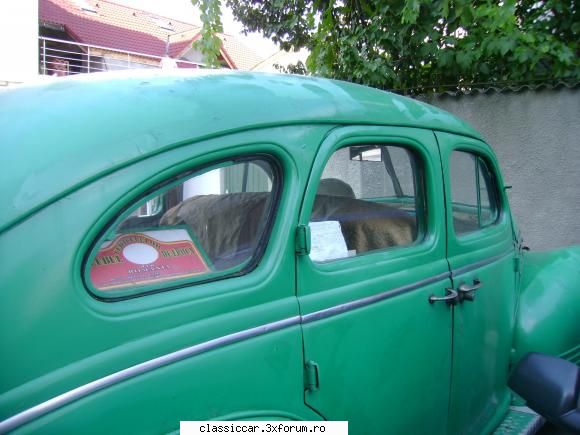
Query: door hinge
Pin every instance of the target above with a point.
(311, 376)
(303, 240)
(517, 264)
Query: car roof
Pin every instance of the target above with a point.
(57, 136)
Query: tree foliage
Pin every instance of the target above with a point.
(209, 44)
(421, 45)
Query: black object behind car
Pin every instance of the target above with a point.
(551, 387)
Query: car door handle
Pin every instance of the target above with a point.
(466, 292)
(450, 297)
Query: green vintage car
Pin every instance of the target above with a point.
(266, 247)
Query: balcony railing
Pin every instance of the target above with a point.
(60, 58)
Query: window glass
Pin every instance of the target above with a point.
(208, 225)
(474, 193)
(369, 198)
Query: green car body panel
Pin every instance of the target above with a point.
(482, 328)
(290, 338)
(550, 285)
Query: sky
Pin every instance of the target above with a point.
(183, 10)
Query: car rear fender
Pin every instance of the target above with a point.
(548, 314)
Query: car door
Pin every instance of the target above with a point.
(481, 256)
(178, 305)
(371, 245)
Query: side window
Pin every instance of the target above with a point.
(475, 199)
(203, 226)
(370, 198)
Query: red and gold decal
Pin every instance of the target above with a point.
(145, 258)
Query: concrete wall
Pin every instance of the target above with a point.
(18, 41)
(369, 179)
(536, 136)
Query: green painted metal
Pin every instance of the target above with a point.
(482, 327)
(302, 240)
(572, 355)
(56, 337)
(77, 152)
(118, 121)
(385, 351)
(550, 285)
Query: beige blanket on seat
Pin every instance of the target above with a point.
(230, 225)
(366, 225)
(226, 226)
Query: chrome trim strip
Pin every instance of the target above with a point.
(478, 264)
(122, 375)
(348, 306)
(61, 400)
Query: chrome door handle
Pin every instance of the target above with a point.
(450, 297)
(466, 292)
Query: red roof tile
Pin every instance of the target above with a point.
(115, 26)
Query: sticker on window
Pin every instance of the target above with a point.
(327, 241)
(147, 257)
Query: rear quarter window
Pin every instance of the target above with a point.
(203, 226)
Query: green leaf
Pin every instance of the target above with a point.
(209, 44)
(445, 8)
(505, 45)
(463, 59)
(410, 11)
(397, 44)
